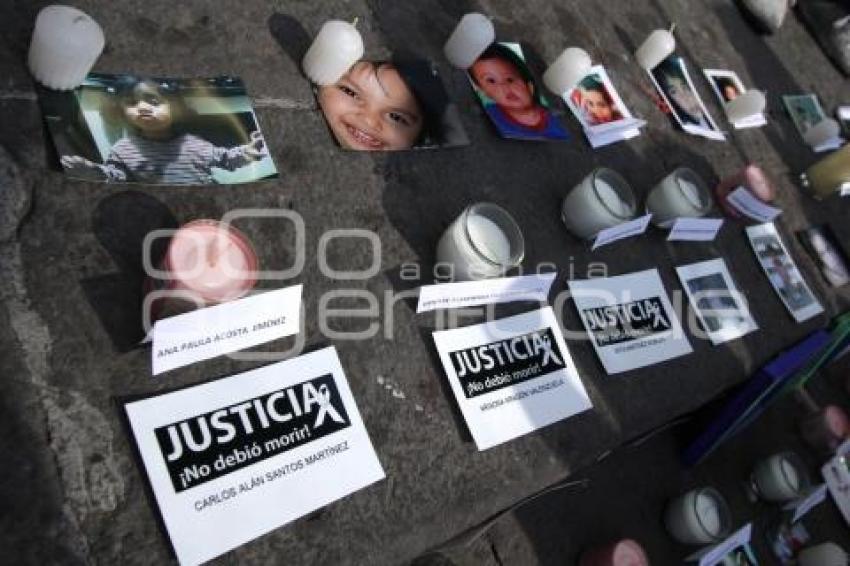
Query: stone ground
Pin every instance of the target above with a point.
(72, 489)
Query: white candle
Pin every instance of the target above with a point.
(568, 70)
(64, 47)
(484, 241)
(708, 514)
(826, 554)
(824, 131)
(779, 478)
(603, 199)
(681, 194)
(749, 104)
(657, 47)
(473, 34)
(697, 517)
(489, 239)
(336, 48)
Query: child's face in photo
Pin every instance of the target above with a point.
(598, 107)
(147, 111)
(682, 95)
(730, 92)
(371, 108)
(501, 81)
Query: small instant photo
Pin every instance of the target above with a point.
(512, 97)
(674, 84)
(391, 106)
(600, 110)
(823, 247)
(727, 86)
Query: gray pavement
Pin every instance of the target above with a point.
(72, 277)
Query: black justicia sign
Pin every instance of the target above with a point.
(208, 446)
(486, 368)
(627, 321)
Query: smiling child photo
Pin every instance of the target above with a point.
(159, 131)
(511, 96)
(391, 106)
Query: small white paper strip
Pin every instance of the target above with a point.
(801, 506)
(474, 293)
(628, 229)
(747, 204)
(695, 229)
(206, 333)
(715, 554)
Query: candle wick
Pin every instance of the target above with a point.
(356, 19)
(672, 27)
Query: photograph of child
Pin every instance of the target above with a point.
(727, 86)
(673, 82)
(511, 96)
(391, 106)
(595, 101)
(783, 272)
(805, 111)
(159, 131)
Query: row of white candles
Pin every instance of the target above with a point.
(66, 43)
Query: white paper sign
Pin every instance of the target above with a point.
(721, 308)
(229, 327)
(715, 554)
(815, 497)
(782, 272)
(630, 320)
(747, 204)
(695, 229)
(628, 229)
(511, 376)
(474, 293)
(232, 459)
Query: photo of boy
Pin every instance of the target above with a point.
(673, 82)
(387, 106)
(511, 97)
(121, 128)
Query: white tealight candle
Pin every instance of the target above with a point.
(779, 478)
(657, 47)
(489, 239)
(336, 48)
(709, 514)
(826, 554)
(749, 104)
(65, 45)
(484, 241)
(681, 194)
(700, 516)
(824, 131)
(603, 199)
(473, 34)
(568, 70)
